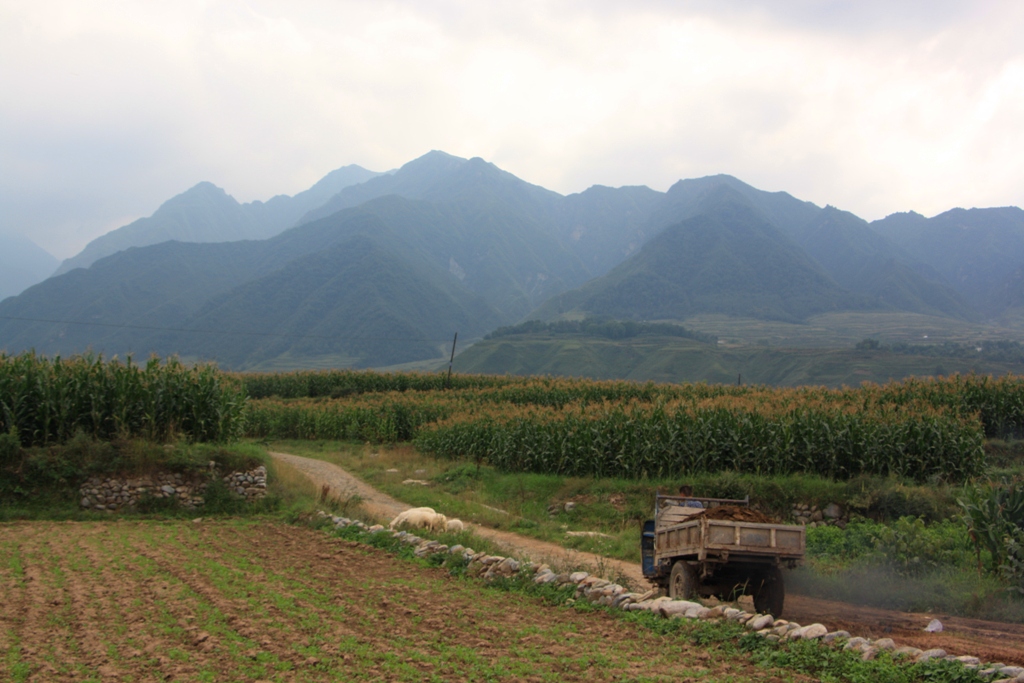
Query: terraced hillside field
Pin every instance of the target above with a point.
(255, 600)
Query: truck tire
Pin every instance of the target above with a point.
(770, 592)
(682, 582)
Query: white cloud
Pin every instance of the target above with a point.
(107, 109)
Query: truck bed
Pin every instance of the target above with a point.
(703, 538)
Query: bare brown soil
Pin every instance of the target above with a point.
(989, 640)
(256, 601)
(992, 641)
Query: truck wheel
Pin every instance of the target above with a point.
(770, 593)
(682, 582)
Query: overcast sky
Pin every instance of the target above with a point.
(109, 108)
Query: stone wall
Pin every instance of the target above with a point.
(811, 515)
(114, 493)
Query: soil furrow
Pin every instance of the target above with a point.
(85, 621)
(274, 630)
(189, 599)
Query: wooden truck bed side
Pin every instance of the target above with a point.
(704, 537)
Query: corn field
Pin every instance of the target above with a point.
(917, 429)
(385, 418)
(631, 430)
(997, 402)
(342, 383)
(637, 441)
(47, 401)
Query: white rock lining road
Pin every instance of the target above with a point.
(600, 591)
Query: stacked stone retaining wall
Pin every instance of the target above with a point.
(115, 493)
(832, 514)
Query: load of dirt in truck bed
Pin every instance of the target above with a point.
(735, 513)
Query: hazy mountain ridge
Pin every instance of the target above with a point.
(865, 262)
(358, 297)
(976, 251)
(206, 213)
(23, 263)
(727, 258)
(446, 244)
(484, 255)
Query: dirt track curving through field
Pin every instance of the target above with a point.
(384, 508)
(989, 640)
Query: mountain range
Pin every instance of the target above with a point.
(206, 213)
(369, 269)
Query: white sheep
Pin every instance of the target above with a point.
(455, 526)
(420, 517)
(404, 516)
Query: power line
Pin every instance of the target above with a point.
(223, 332)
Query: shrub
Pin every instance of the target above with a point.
(912, 548)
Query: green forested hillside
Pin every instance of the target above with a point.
(357, 298)
(727, 259)
(867, 263)
(121, 297)
(976, 251)
(673, 359)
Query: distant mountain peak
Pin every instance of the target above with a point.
(433, 161)
(912, 215)
(205, 190)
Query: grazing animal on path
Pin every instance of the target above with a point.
(425, 518)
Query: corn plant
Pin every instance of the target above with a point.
(45, 401)
(993, 514)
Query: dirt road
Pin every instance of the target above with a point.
(991, 641)
(384, 507)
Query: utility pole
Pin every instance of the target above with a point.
(450, 361)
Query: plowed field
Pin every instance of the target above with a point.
(252, 600)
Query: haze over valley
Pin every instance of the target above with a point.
(378, 270)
